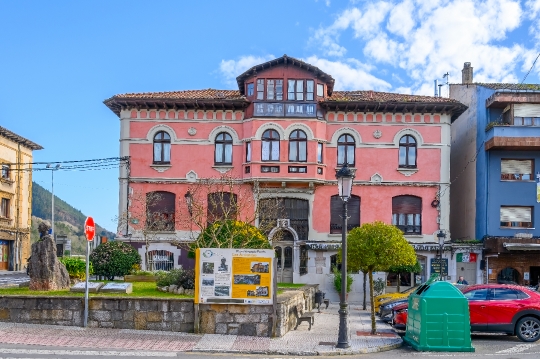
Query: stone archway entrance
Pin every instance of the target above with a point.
(284, 248)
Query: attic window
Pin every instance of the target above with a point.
(250, 89)
(320, 90)
(260, 89)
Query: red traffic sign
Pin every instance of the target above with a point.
(89, 228)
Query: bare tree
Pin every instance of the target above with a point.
(212, 201)
(149, 214)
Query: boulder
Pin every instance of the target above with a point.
(46, 272)
(172, 288)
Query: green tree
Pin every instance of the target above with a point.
(112, 259)
(374, 247)
(230, 234)
(398, 269)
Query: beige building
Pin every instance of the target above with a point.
(15, 199)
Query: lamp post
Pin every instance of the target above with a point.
(441, 236)
(55, 168)
(345, 181)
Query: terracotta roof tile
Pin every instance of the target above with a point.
(208, 94)
(19, 139)
(373, 96)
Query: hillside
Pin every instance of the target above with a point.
(67, 220)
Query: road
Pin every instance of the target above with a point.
(487, 346)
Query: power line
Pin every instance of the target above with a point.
(528, 72)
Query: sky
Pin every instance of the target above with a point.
(59, 60)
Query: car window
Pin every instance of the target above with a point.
(522, 295)
(478, 294)
(504, 294)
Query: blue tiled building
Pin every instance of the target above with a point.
(495, 166)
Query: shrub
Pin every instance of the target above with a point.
(230, 234)
(184, 278)
(76, 267)
(114, 258)
(337, 280)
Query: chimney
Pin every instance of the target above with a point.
(467, 74)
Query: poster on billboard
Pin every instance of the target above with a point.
(234, 276)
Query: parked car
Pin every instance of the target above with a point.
(385, 310)
(398, 318)
(502, 308)
(384, 298)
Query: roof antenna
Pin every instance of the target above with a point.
(447, 76)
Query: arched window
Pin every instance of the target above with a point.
(336, 211)
(407, 152)
(345, 150)
(160, 211)
(407, 214)
(298, 146)
(270, 146)
(223, 151)
(162, 148)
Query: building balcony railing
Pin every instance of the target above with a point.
(513, 138)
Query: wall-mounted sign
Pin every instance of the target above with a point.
(439, 266)
(239, 276)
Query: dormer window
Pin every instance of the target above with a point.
(300, 90)
(250, 89)
(320, 90)
(274, 90)
(260, 89)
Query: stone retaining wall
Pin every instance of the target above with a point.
(104, 312)
(175, 315)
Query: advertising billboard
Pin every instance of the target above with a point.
(234, 276)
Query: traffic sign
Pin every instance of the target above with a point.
(89, 228)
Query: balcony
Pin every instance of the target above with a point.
(524, 138)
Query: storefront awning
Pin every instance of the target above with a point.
(522, 246)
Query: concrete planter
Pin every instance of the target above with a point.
(140, 278)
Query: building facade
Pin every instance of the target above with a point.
(16, 199)
(495, 154)
(288, 131)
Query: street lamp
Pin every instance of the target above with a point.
(441, 236)
(50, 166)
(345, 181)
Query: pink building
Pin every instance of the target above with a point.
(286, 127)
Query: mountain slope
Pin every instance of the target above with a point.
(67, 220)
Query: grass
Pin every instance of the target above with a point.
(140, 290)
(290, 285)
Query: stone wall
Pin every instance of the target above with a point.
(104, 312)
(162, 314)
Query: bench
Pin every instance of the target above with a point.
(306, 317)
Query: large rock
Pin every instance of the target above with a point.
(46, 272)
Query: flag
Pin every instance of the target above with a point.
(466, 257)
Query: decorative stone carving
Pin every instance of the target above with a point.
(377, 134)
(407, 172)
(191, 176)
(46, 272)
(160, 168)
(376, 178)
(222, 169)
(192, 131)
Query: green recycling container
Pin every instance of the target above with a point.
(438, 319)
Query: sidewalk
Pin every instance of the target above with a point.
(320, 340)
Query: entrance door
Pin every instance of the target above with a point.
(467, 270)
(535, 275)
(4, 255)
(284, 255)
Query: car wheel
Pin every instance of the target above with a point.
(528, 329)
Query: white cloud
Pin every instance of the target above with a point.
(230, 69)
(427, 38)
(349, 74)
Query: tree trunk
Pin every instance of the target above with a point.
(373, 327)
(398, 281)
(365, 280)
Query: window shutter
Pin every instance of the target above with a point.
(407, 204)
(516, 214)
(516, 166)
(336, 208)
(526, 110)
(353, 211)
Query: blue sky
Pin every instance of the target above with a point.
(61, 59)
